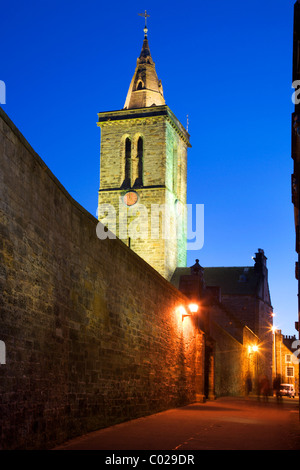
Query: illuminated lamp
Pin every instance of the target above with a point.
(191, 310)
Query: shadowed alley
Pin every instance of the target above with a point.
(225, 424)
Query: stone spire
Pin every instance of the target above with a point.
(145, 89)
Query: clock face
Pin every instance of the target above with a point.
(130, 198)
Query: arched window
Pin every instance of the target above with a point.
(140, 163)
(127, 178)
(127, 160)
(140, 156)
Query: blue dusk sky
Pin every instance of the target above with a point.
(228, 65)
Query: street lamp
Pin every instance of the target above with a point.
(189, 311)
(193, 308)
(274, 329)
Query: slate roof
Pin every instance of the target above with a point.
(240, 280)
(288, 342)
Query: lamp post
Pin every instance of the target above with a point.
(274, 350)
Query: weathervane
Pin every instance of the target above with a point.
(145, 15)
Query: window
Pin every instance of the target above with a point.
(127, 179)
(290, 371)
(288, 358)
(139, 164)
(140, 156)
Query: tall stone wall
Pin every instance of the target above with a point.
(257, 315)
(229, 369)
(92, 333)
(232, 361)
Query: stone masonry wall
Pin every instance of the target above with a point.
(228, 363)
(92, 332)
(232, 361)
(164, 180)
(257, 315)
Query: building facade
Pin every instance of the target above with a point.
(236, 315)
(142, 196)
(92, 333)
(295, 138)
(285, 361)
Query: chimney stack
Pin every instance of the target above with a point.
(260, 262)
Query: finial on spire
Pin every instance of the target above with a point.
(187, 122)
(145, 15)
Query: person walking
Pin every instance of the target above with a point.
(265, 388)
(248, 385)
(276, 388)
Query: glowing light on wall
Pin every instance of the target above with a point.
(188, 311)
(193, 308)
(253, 348)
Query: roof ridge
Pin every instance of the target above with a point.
(228, 267)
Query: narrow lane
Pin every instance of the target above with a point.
(224, 424)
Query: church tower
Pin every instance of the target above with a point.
(143, 166)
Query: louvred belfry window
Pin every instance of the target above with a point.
(140, 155)
(127, 163)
